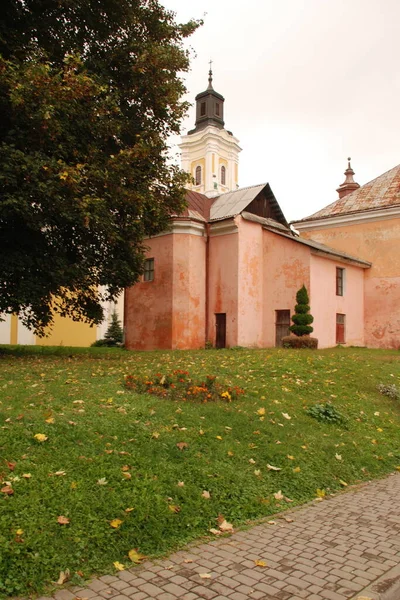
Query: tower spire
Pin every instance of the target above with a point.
(349, 185)
(210, 87)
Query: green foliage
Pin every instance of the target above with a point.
(304, 341)
(325, 413)
(96, 428)
(389, 390)
(114, 334)
(88, 98)
(302, 319)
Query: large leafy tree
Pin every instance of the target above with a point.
(89, 93)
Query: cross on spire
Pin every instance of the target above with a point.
(210, 87)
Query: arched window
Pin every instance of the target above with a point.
(198, 176)
(223, 175)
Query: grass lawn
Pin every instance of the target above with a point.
(111, 465)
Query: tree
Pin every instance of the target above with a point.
(302, 319)
(89, 93)
(114, 334)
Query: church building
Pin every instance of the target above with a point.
(227, 270)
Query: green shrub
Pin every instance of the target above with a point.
(389, 390)
(114, 335)
(302, 319)
(305, 341)
(325, 413)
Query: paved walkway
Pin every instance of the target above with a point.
(347, 546)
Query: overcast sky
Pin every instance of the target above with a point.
(307, 83)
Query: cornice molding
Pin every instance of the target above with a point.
(225, 227)
(179, 227)
(383, 214)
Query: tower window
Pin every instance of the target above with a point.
(223, 175)
(202, 109)
(217, 109)
(198, 176)
(148, 274)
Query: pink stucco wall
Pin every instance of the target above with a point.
(189, 291)
(377, 242)
(250, 289)
(326, 304)
(223, 284)
(286, 269)
(148, 304)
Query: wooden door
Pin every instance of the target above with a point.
(340, 325)
(282, 323)
(220, 330)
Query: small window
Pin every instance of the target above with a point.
(339, 281)
(217, 109)
(340, 328)
(198, 176)
(223, 175)
(148, 274)
(202, 109)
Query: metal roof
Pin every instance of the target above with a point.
(382, 192)
(233, 203)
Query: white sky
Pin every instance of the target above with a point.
(307, 83)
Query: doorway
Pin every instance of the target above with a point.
(282, 324)
(220, 330)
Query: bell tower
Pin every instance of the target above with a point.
(210, 153)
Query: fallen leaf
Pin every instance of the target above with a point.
(174, 508)
(206, 495)
(7, 489)
(128, 510)
(182, 445)
(26, 475)
(296, 470)
(115, 523)
(58, 474)
(61, 520)
(230, 453)
(272, 468)
(74, 485)
(205, 575)
(286, 416)
(125, 468)
(278, 495)
(376, 414)
(338, 456)
(320, 493)
(127, 475)
(119, 566)
(19, 532)
(218, 437)
(257, 472)
(11, 465)
(260, 563)
(188, 560)
(271, 522)
(155, 435)
(252, 461)
(261, 411)
(343, 483)
(224, 526)
(63, 577)
(40, 437)
(288, 519)
(135, 556)
(214, 531)
(180, 484)
(50, 420)
(290, 457)
(102, 481)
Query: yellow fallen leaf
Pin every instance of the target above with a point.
(188, 560)
(206, 495)
(379, 429)
(27, 475)
(127, 475)
(398, 468)
(260, 563)
(73, 485)
(61, 520)
(63, 577)
(230, 453)
(19, 531)
(219, 437)
(278, 495)
(174, 508)
(272, 468)
(214, 531)
(286, 416)
(296, 470)
(376, 414)
(180, 484)
(155, 435)
(271, 522)
(261, 411)
(50, 420)
(115, 523)
(338, 456)
(205, 575)
(201, 432)
(252, 461)
(342, 483)
(304, 447)
(224, 526)
(135, 556)
(119, 566)
(320, 493)
(40, 437)
(128, 510)
(290, 457)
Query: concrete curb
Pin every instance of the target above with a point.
(386, 587)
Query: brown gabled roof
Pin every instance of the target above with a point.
(197, 204)
(382, 192)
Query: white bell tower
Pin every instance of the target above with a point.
(210, 153)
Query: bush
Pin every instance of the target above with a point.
(325, 413)
(302, 319)
(389, 390)
(304, 341)
(114, 335)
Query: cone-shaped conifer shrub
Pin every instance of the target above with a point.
(302, 319)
